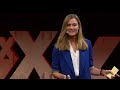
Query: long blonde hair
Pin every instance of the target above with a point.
(62, 42)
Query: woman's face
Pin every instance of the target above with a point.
(72, 27)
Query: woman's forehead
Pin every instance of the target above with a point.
(73, 20)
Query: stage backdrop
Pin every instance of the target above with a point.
(27, 39)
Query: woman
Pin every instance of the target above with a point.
(72, 53)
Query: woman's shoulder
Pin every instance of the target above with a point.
(87, 40)
(55, 48)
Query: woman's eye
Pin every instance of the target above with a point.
(74, 24)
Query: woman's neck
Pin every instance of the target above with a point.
(73, 43)
(73, 39)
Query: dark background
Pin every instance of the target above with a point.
(98, 19)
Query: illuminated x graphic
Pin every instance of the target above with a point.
(103, 48)
(6, 51)
(33, 52)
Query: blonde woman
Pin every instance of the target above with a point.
(72, 53)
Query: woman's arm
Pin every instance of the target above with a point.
(96, 71)
(58, 75)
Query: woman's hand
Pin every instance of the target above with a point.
(58, 75)
(106, 72)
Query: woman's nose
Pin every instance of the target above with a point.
(71, 27)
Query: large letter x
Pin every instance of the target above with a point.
(33, 53)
